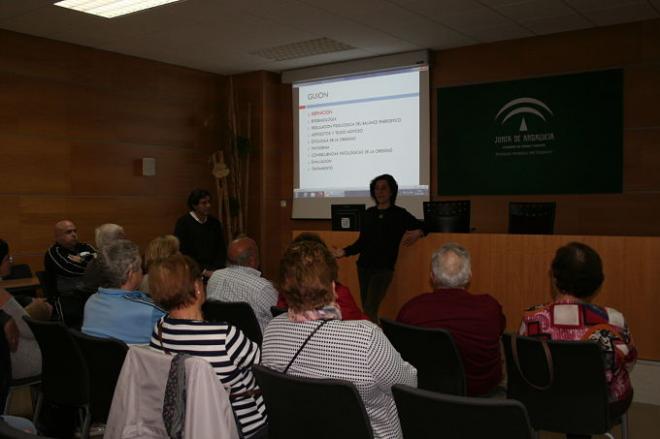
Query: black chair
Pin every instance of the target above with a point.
(433, 353)
(532, 218)
(276, 311)
(295, 406)
(21, 271)
(447, 216)
(565, 390)
(5, 367)
(64, 374)
(104, 358)
(239, 314)
(424, 414)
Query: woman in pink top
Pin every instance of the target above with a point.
(577, 274)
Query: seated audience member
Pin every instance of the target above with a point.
(25, 352)
(159, 248)
(241, 281)
(577, 275)
(475, 321)
(117, 309)
(176, 284)
(355, 350)
(345, 302)
(66, 260)
(108, 233)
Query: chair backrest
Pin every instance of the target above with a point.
(424, 414)
(433, 353)
(64, 374)
(532, 218)
(578, 381)
(138, 402)
(239, 314)
(276, 311)
(104, 358)
(5, 367)
(296, 404)
(447, 216)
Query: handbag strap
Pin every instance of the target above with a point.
(548, 361)
(303, 345)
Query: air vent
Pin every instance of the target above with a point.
(302, 49)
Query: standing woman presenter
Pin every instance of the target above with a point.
(384, 227)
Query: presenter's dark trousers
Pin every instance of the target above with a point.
(373, 286)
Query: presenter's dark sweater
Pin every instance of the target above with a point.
(380, 236)
(204, 242)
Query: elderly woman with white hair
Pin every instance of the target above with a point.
(475, 321)
(117, 309)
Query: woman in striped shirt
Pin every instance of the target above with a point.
(176, 285)
(352, 350)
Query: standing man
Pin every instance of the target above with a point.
(476, 321)
(241, 281)
(66, 260)
(201, 235)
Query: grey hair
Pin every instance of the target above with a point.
(118, 260)
(448, 274)
(107, 233)
(244, 257)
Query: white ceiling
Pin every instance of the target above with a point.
(220, 35)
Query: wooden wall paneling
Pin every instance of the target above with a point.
(641, 95)
(32, 164)
(641, 160)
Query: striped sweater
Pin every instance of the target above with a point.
(355, 351)
(231, 355)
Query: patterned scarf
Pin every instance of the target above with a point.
(328, 312)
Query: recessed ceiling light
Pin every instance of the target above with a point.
(111, 8)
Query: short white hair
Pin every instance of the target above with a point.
(107, 233)
(446, 272)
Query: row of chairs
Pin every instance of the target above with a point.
(78, 371)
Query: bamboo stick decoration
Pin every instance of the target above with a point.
(246, 184)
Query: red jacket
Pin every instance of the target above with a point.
(348, 307)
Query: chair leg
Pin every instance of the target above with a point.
(85, 421)
(37, 409)
(536, 434)
(624, 426)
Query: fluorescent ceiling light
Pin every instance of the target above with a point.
(111, 8)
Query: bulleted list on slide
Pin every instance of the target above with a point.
(352, 130)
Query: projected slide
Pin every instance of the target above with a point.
(352, 129)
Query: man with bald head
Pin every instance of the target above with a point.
(241, 281)
(66, 260)
(475, 321)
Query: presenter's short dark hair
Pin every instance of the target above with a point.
(195, 197)
(391, 182)
(577, 270)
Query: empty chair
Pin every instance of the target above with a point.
(532, 218)
(564, 388)
(433, 353)
(424, 414)
(104, 358)
(297, 406)
(239, 314)
(447, 216)
(64, 374)
(137, 405)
